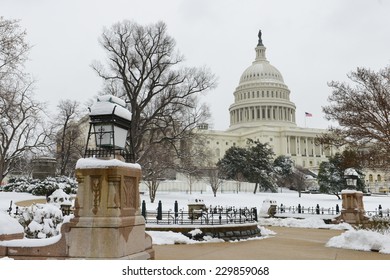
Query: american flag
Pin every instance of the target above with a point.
(308, 114)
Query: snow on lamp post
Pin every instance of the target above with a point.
(351, 177)
(109, 125)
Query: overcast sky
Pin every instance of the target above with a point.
(310, 42)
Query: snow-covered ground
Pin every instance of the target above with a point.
(350, 239)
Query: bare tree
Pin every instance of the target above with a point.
(214, 179)
(21, 127)
(13, 48)
(69, 138)
(158, 161)
(362, 111)
(21, 117)
(193, 158)
(298, 179)
(144, 68)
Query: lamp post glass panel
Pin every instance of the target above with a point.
(351, 177)
(108, 135)
(109, 125)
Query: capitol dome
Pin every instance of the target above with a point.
(263, 71)
(262, 97)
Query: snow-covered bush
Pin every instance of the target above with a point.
(41, 220)
(44, 220)
(59, 197)
(41, 187)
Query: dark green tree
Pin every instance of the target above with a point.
(253, 164)
(284, 169)
(233, 164)
(331, 174)
(260, 168)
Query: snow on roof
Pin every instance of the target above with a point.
(350, 172)
(107, 105)
(111, 98)
(89, 163)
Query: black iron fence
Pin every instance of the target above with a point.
(317, 210)
(205, 216)
(314, 210)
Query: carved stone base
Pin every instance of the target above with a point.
(107, 222)
(352, 208)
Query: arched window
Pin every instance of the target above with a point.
(370, 178)
(379, 178)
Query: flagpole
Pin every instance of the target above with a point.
(307, 115)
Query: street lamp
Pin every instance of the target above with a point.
(109, 126)
(351, 177)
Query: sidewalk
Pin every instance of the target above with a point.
(287, 244)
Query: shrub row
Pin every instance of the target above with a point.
(41, 187)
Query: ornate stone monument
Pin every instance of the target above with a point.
(107, 223)
(352, 211)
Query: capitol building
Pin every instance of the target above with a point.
(262, 110)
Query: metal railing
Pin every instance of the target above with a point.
(316, 210)
(213, 216)
(106, 153)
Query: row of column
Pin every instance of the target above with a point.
(254, 113)
(305, 146)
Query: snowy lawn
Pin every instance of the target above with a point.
(350, 239)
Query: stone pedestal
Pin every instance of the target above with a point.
(352, 211)
(107, 222)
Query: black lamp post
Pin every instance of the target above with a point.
(109, 126)
(351, 177)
